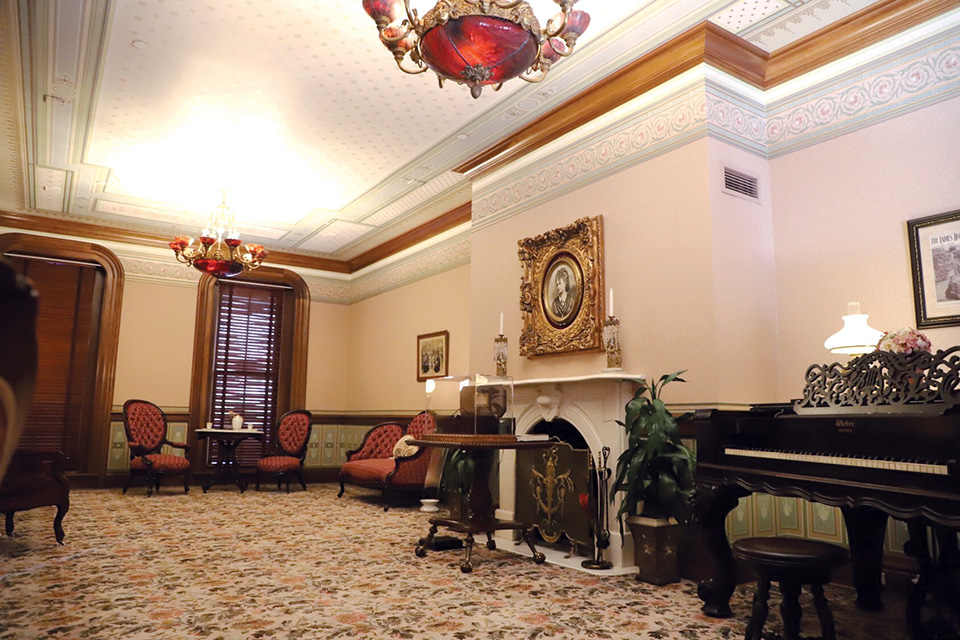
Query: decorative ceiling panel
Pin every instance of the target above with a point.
(141, 111)
(335, 235)
(773, 24)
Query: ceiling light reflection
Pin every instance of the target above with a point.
(267, 176)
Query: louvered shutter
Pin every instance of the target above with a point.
(246, 361)
(69, 294)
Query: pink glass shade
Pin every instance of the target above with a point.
(395, 31)
(553, 48)
(384, 10)
(577, 23)
(220, 268)
(479, 50)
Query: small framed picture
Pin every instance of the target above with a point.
(433, 352)
(935, 266)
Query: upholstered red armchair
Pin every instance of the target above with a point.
(146, 427)
(375, 465)
(290, 449)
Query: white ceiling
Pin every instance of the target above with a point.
(145, 109)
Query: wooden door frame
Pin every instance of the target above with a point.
(294, 396)
(109, 335)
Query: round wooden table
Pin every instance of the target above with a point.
(228, 469)
(480, 512)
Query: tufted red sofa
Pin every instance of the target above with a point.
(373, 464)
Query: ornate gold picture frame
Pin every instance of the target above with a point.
(561, 292)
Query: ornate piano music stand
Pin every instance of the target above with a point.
(878, 438)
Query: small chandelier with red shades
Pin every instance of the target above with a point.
(220, 252)
(477, 42)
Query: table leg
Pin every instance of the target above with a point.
(424, 543)
(466, 566)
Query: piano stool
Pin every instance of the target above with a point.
(791, 562)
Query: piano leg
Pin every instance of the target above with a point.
(866, 530)
(713, 503)
(933, 609)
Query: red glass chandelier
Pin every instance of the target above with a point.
(220, 251)
(477, 42)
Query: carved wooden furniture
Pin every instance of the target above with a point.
(373, 465)
(290, 443)
(18, 364)
(227, 468)
(792, 563)
(878, 438)
(479, 516)
(35, 479)
(146, 428)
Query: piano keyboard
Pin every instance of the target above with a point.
(845, 461)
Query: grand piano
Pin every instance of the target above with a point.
(879, 438)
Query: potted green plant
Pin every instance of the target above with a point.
(655, 481)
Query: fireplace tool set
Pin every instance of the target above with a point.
(599, 475)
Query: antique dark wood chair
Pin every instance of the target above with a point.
(146, 427)
(35, 479)
(290, 449)
(375, 465)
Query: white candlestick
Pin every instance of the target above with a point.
(501, 323)
(610, 311)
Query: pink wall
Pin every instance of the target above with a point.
(379, 363)
(840, 210)
(327, 353)
(681, 289)
(744, 280)
(155, 348)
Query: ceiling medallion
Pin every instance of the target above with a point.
(477, 42)
(220, 253)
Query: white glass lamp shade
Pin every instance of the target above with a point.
(856, 337)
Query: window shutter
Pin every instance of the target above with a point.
(246, 362)
(67, 349)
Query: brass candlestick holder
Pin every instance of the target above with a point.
(611, 344)
(500, 354)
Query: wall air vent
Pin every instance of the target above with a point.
(739, 183)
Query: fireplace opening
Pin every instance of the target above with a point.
(551, 485)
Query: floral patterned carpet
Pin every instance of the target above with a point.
(307, 565)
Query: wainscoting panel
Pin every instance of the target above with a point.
(118, 456)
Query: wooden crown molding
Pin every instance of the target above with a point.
(445, 222)
(438, 225)
(855, 32)
(707, 43)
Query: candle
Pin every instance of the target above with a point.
(610, 311)
(501, 323)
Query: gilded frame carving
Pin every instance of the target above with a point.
(561, 291)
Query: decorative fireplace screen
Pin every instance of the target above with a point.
(550, 483)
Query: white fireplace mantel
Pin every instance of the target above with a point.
(591, 403)
(597, 377)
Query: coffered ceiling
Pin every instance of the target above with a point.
(134, 114)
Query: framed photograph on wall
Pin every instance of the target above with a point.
(935, 266)
(561, 290)
(433, 353)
